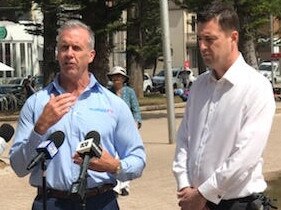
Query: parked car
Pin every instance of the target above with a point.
(177, 79)
(14, 85)
(16, 81)
(265, 68)
(5, 89)
(147, 83)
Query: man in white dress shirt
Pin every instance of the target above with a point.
(227, 121)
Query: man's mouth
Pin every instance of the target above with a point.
(69, 64)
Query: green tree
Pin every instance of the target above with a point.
(105, 18)
(99, 14)
(144, 44)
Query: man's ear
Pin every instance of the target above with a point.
(235, 36)
(92, 56)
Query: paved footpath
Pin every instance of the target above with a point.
(156, 189)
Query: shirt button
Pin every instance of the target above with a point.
(219, 196)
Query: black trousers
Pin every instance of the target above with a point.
(257, 201)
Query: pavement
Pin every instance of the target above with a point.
(156, 189)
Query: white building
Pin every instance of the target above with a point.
(183, 37)
(20, 50)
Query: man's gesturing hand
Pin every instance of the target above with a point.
(54, 110)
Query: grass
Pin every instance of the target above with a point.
(156, 99)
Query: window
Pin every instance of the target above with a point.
(193, 23)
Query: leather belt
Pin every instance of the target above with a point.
(225, 204)
(91, 192)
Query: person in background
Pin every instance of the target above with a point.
(218, 157)
(76, 104)
(118, 76)
(29, 86)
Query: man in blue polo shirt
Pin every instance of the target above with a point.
(75, 103)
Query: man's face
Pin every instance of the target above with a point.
(74, 53)
(216, 46)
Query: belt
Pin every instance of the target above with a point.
(227, 203)
(91, 192)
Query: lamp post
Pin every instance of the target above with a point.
(168, 67)
(272, 49)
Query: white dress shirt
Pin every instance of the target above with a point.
(224, 132)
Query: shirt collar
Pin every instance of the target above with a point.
(234, 73)
(58, 89)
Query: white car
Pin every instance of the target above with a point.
(147, 83)
(265, 69)
(177, 73)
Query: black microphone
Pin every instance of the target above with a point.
(6, 133)
(47, 149)
(91, 145)
(87, 149)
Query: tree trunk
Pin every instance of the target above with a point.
(247, 47)
(95, 15)
(100, 66)
(134, 61)
(50, 65)
(134, 75)
(246, 39)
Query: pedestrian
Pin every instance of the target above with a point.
(29, 87)
(76, 104)
(226, 124)
(119, 78)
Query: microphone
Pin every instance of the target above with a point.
(91, 145)
(6, 133)
(88, 148)
(47, 149)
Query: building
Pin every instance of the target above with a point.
(183, 37)
(20, 50)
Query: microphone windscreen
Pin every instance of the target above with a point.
(93, 135)
(6, 132)
(57, 137)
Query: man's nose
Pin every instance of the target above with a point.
(69, 51)
(202, 45)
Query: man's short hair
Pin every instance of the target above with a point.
(223, 12)
(77, 24)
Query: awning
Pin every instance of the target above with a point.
(4, 67)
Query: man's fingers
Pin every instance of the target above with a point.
(64, 98)
(62, 103)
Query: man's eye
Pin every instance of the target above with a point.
(206, 39)
(63, 48)
(209, 39)
(76, 48)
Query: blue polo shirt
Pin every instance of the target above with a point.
(97, 109)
